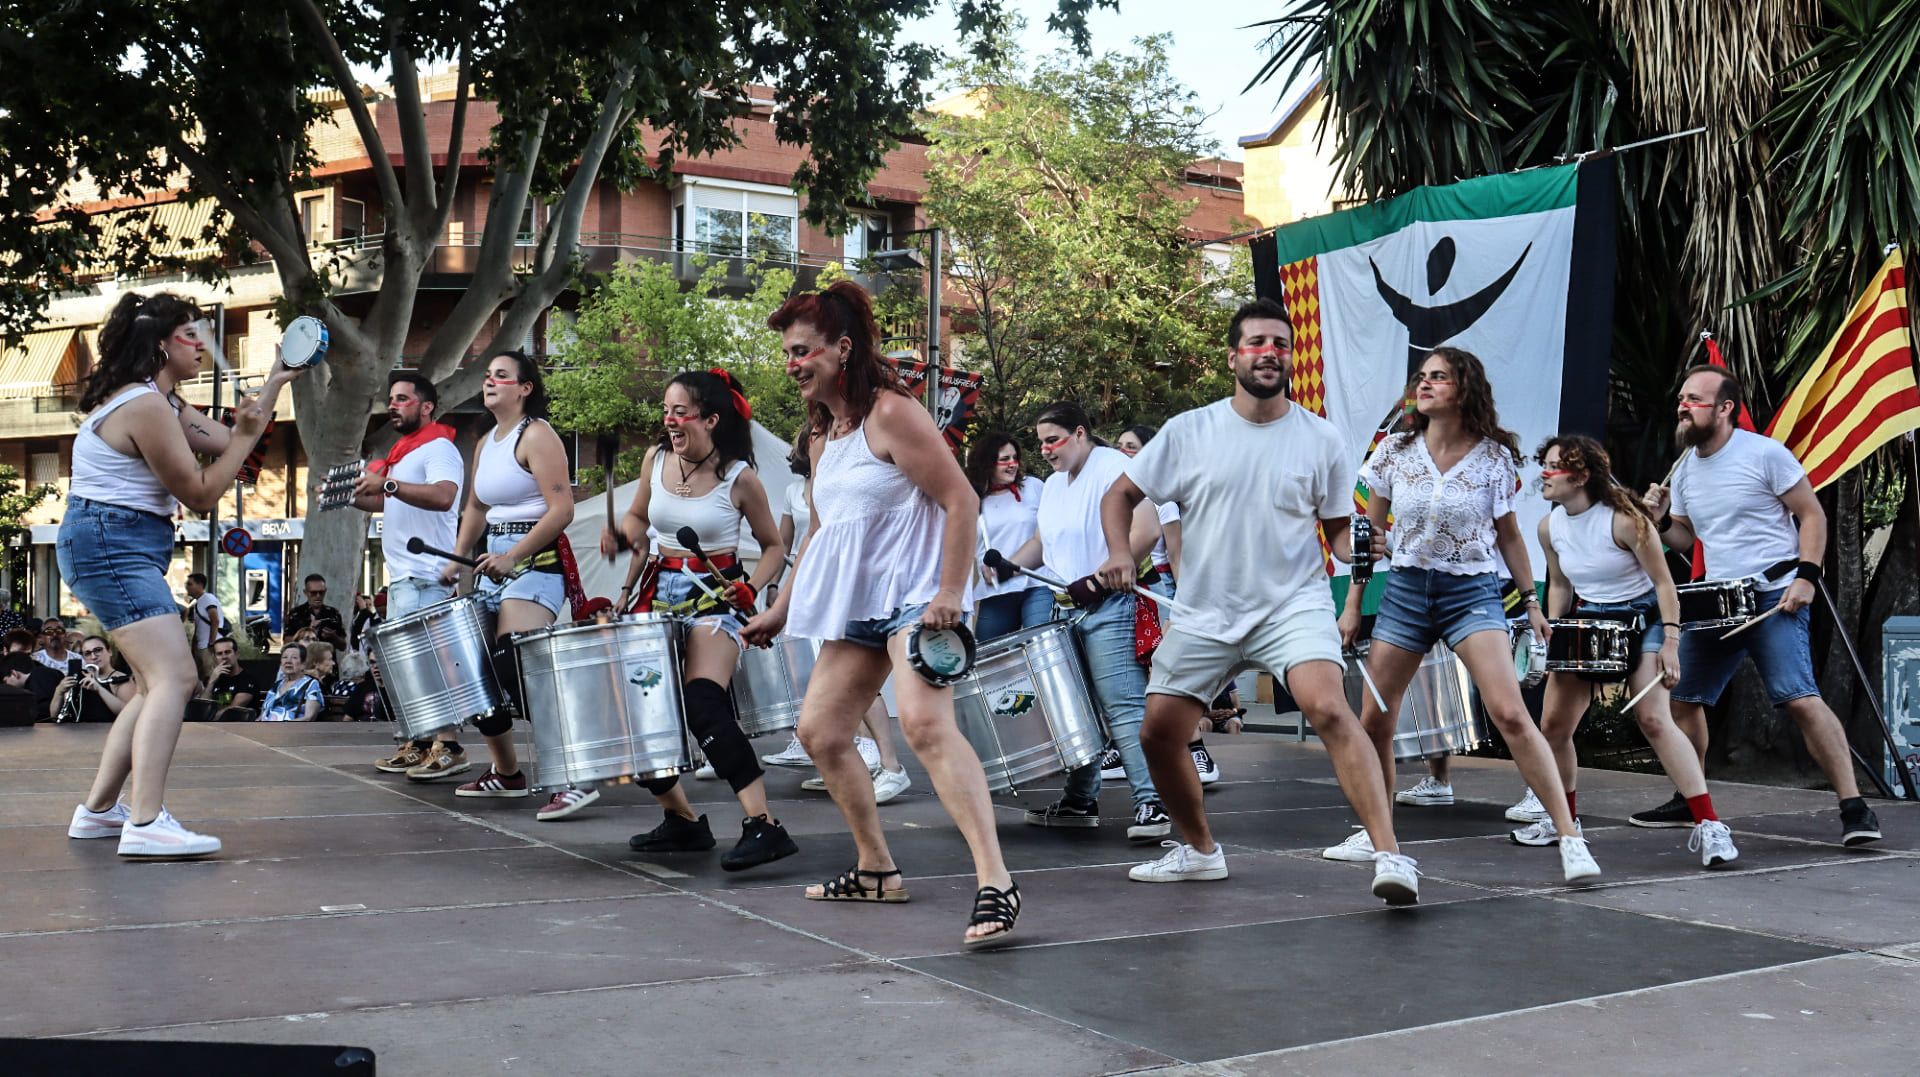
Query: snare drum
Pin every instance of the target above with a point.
(1598, 649)
(608, 700)
(1437, 716)
(436, 664)
(1027, 707)
(1715, 604)
(770, 684)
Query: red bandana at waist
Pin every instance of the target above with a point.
(427, 432)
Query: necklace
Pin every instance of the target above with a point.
(685, 489)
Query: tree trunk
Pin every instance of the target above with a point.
(1846, 582)
(332, 416)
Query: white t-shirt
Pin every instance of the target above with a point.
(1249, 496)
(1169, 513)
(1733, 499)
(1444, 523)
(206, 614)
(798, 511)
(1072, 544)
(41, 656)
(1006, 523)
(430, 462)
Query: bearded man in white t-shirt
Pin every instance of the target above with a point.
(1740, 494)
(1252, 475)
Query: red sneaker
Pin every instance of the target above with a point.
(493, 784)
(565, 802)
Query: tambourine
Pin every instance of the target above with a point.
(941, 656)
(304, 343)
(1360, 539)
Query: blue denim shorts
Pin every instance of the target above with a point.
(1647, 606)
(114, 560)
(876, 631)
(1421, 606)
(1779, 647)
(547, 589)
(675, 588)
(410, 593)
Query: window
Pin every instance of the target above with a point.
(866, 236)
(733, 221)
(352, 219)
(43, 469)
(313, 219)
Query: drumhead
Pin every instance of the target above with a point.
(940, 656)
(304, 343)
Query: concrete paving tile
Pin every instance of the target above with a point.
(1624, 853)
(320, 734)
(1313, 829)
(75, 781)
(1080, 904)
(1341, 976)
(106, 891)
(78, 747)
(860, 1019)
(1850, 1014)
(43, 848)
(1872, 903)
(215, 972)
(1899, 826)
(204, 805)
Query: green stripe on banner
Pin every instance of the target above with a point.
(1509, 194)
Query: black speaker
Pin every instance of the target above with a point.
(172, 1058)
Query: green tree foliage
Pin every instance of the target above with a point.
(1059, 193)
(16, 502)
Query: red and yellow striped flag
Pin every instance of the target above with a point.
(1860, 394)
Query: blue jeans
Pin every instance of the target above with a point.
(1003, 615)
(114, 560)
(1778, 646)
(1120, 687)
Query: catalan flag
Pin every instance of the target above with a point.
(1860, 394)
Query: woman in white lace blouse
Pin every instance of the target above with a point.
(1449, 484)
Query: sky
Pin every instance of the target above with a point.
(1211, 52)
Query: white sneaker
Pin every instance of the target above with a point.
(890, 784)
(1714, 842)
(1576, 861)
(1529, 810)
(1429, 793)
(1357, 849)
(1111, 769)
(1542, 833)
(793, 755)
(705, 772)
(815, 784)
(1183, 863)
(1203, 762)
(869, 753)
(165, 837)
(1396, 878)
(92, 824)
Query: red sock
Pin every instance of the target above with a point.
(1571, 810)
(1702, 808)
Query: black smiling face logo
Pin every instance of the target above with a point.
(1429, 327)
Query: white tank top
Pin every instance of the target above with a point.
(876, 543)
(105, 474)
(712, 515)
(1598, 568)
(507, 490)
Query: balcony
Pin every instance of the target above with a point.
(42, 412)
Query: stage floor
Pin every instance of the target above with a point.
(458, 936)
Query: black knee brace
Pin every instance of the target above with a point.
(710, 717)
(660, 786)
(506, 671)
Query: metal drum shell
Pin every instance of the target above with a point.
(770, 684)
(605, 699)
(1715, 604)
(1590, 645)
(1028, 707)
(436, 665)
(1437, 716)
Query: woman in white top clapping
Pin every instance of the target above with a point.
(1449, 483)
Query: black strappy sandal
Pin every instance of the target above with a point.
(994, 906)
(847, 887)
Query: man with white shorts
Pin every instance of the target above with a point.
(1252, 475)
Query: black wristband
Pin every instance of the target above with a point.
(1670, 624)
(1807, 570)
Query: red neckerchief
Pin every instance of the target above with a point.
(427, 432)
(1010, 488)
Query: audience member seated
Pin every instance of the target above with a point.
(54, 653)
(355, 695)
(234, 693)
(21, 641)
(314, 613)
(295, 696)
(16, 699)
(323, 665)
(98, 693)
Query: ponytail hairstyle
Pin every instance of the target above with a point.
(131, 341)
(1068, 415)
(538, 404)
(983, 459)
(716, 393)
(844, 309)
(1581, 453)
(1477, 413)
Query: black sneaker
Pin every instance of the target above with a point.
(1149, 821)
(1064, 812)
(1858, 824)
(676, 834)
(762, 841)
(1674, 813)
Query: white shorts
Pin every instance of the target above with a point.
(1192, 666)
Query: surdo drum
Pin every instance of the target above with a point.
(770, 684)
(436, 666)
(1027, 707)
(1437, 716)
(1715, 604)
(607, 699)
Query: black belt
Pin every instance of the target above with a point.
(512, 527)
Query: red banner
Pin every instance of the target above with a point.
(954, 398)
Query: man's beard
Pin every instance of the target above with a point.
(1258, 391)
(402, 425)
(1692, 434)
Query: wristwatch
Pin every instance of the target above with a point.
(390, 487)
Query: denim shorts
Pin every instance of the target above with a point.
(1647, 606)
(411, 593)
(1779, 647)
(1421, 606)
(547, 589)
(876, 631)
(114, 560)
(675, 588)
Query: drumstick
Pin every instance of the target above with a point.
(996, 560)
(1372, 688)
(1751, 622)
(1668, 481)
(689, 540)
(1640, 695)
(416, 546)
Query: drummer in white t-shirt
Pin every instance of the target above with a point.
(1740, 493)
(1252, 475)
